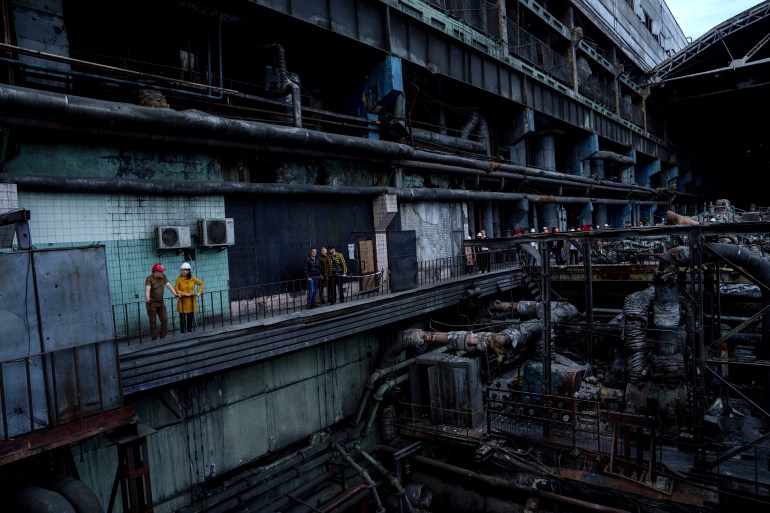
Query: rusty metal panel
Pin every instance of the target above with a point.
(455, 393)
(23, 384)
(17, 307)
(74, 298)
(59, 363)
(77, 330)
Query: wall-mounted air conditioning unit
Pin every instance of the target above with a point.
(173, 237)
(216, 232)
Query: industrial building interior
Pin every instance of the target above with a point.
(634, 378)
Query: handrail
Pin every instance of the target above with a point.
(217, 309)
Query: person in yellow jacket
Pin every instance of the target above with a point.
(187, 304)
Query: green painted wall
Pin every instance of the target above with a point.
(221, 422)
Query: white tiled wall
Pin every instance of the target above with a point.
(84, 218)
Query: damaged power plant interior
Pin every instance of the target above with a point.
(393, 256)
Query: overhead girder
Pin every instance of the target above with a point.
(426, 37)
(695, 49)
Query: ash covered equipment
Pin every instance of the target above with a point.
(446, 390)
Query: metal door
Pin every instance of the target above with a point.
(402, 256)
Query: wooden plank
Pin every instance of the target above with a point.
(37, 442)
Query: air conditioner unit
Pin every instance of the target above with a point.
(173, 237)
(216, 232)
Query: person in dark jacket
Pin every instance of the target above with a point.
(322, 280)
(482, 258)
(335, 269)
(312, 273)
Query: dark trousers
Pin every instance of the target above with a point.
(483, 261)
(186, 322)
(334, 287)
(557, 255)
(321, 291)
(157, 309)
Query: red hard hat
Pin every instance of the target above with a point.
(158, 267)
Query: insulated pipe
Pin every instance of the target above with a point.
(636, 310)
(80, 495)
(207, 188)
(403, 342)
(757, 265)
(447, 140)
(561, 311)
(565, 180)
(280, 56)
(378, 396)
(500, 344)
(674, 218)
(611, 155)
(33, 499)
(471, 125)
(739, 256)
(373, 378)
(117, 119)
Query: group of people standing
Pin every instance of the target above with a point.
(325, 271)
(186, 289)
(478, 255)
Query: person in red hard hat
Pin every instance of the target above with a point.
(153, 297)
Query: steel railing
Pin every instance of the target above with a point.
(53, 388)
(236, 306)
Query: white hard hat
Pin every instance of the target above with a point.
(185, 266)
(531, 230)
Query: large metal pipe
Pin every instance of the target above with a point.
(118, 119)
(565, 180)
(78, 494)
(208, 188)
(115, 118)
(510, 485)
(458, 143)
(760, 267)
(33, 499)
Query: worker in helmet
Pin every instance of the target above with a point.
(187, 305)
(557, 249)
(153, 297)
(536, 247)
